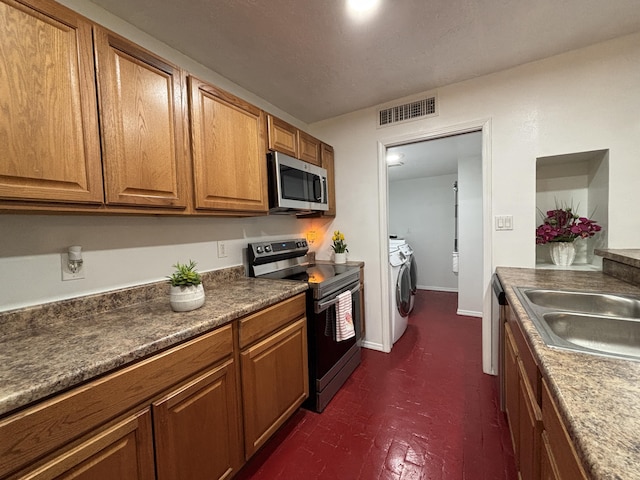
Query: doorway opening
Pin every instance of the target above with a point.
(435, 205)
(418, 204)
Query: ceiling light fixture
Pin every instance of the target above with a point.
(394, 159)
(362, 9)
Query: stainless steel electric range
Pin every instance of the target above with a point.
(330, 362)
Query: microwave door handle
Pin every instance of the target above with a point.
(317, 188)
(323, 190)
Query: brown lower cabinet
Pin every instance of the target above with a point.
(178, 414)
(196, 428)
(274, 366)
(124, 450)
(530, 429)
(542, 446)
(273, 384)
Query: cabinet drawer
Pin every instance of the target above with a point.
(560, 444)
(257, 326)
(51, 424)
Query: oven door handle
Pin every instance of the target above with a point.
(322, 306)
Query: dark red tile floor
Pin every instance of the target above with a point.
(424, 411)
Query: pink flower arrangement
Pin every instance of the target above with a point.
(562, 225)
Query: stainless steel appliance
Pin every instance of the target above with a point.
(295, 186)
(330, 362)
(498, 304)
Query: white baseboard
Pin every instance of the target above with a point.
(373, 346)
(469, 313)
(437, 289)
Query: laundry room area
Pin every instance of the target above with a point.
(435, 206)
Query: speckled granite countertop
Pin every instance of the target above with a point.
(599, 397)
(51, 348)
(628, 256)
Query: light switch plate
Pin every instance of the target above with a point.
(504, 222)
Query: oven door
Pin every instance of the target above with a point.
(325, 352)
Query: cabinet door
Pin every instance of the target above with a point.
(309, 148)
(48, 113)
(282, 136)
(123, 451)
(512, 388)
(548, 468)
(197, 428)
(275, 382)
(328, 164)
(143, 125)
(565, 459)
(530, 428)
(229, 154)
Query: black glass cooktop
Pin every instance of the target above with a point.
(326, 278)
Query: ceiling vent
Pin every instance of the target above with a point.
(409, 111)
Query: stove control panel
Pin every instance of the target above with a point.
(265, 252)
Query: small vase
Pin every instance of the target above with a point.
(185, 299)
(562, 253)
(340, 258)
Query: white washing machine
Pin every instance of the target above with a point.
(400, 289)
(413, 271)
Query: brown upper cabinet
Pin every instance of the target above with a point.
(328, 165)
(285, 138)
(309, 148)
(143, 123)
(91, 122)
(48, 112)
(228, 146)
(282, 136)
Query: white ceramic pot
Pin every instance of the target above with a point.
(340, 258)
(185, 299)
(562, 253)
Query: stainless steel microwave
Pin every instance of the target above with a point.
(295, 186)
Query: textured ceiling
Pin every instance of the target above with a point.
(311, 60)
(434, 158)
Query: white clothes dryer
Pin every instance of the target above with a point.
(400, 293)
(413, 271)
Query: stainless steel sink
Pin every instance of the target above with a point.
(596, 323)
(598, 303)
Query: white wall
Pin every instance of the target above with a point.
(118, 251)
(584, 100)
(470, 294)
(583, 184)
(421, 210)
(598, 197)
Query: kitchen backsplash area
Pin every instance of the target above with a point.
(121, 252)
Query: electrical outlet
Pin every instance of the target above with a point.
(68, 274)
(222, 250)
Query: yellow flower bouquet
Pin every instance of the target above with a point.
(339, 245)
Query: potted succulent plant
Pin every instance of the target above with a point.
(187, 292)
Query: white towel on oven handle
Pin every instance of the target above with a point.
(344, 317)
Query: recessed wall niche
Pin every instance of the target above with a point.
(580, 180)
